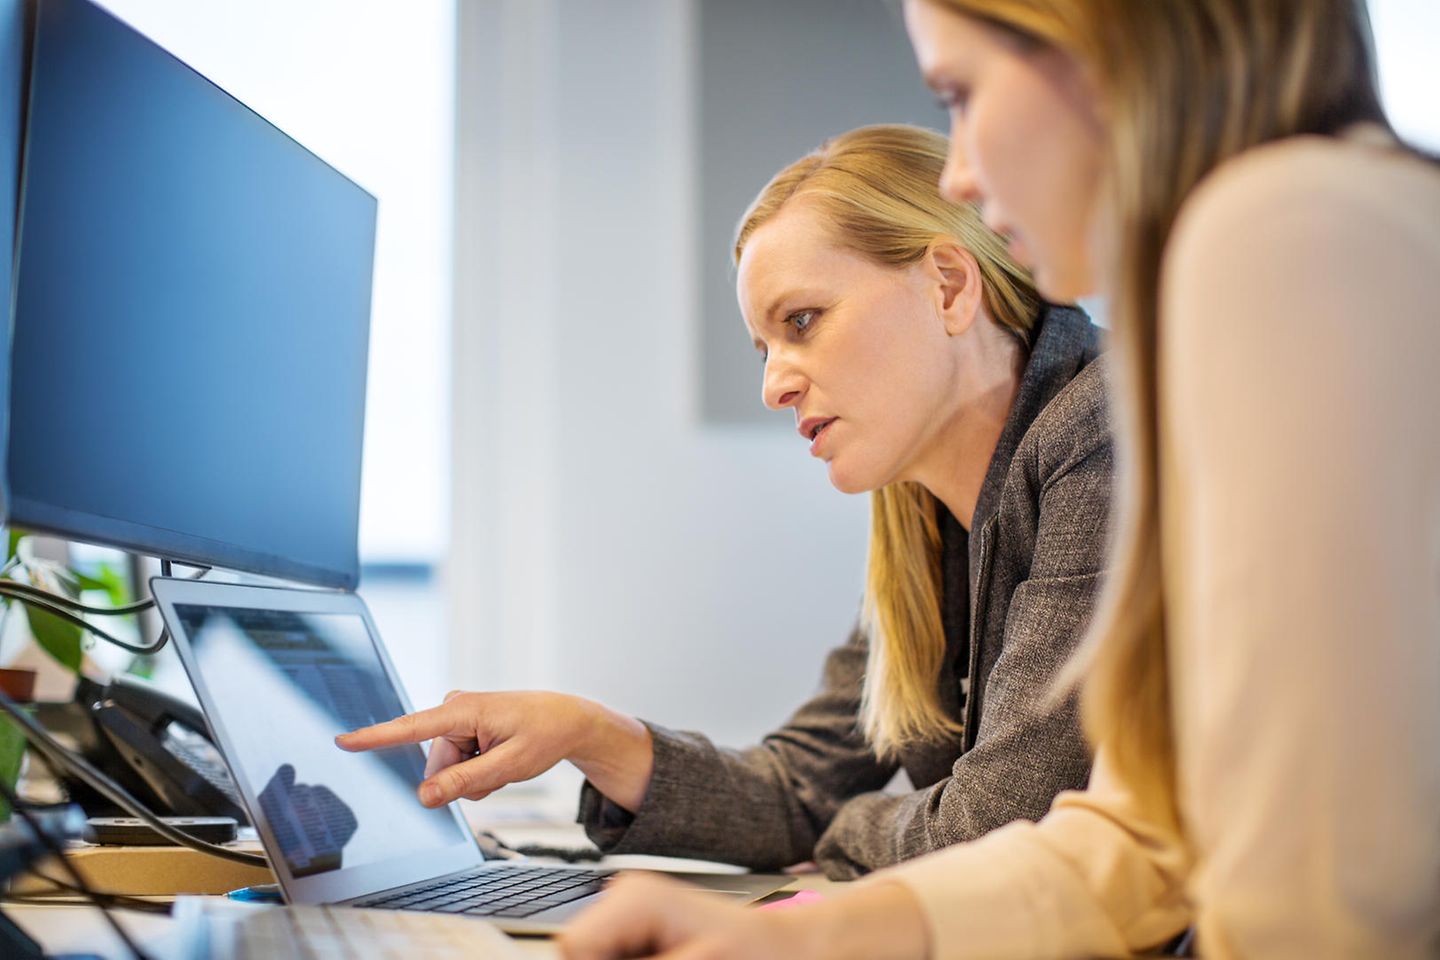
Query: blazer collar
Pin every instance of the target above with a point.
(1065, 342)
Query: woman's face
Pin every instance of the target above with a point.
(1025, 141)
(859, 351)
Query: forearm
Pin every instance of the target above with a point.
(876, 830)
(707, 803)
(880, 921)
(762, 807)
(616, 754)
(1008, 776)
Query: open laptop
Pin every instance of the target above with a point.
(280, 672)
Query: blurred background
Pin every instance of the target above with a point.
(569, 479)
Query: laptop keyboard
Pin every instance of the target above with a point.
(494, 892)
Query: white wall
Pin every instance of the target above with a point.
(604, 541)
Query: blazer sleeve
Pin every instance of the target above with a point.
(761, 807)
(1026, 751)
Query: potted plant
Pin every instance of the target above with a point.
(28, 577)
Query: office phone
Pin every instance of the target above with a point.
(155, 746)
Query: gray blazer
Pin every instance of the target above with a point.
(1017, 597)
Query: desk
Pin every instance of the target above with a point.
(81, 929)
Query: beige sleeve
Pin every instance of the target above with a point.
(1093, 878)
(1301, 411)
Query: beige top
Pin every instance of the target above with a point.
(1300, 412)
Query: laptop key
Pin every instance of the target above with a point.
(520, 910)
(575, 893)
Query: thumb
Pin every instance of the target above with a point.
(483, 774)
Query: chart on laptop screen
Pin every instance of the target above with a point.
(284, 684)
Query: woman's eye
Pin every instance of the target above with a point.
(953, 100)
(801, 319)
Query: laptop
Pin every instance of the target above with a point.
(279, 673)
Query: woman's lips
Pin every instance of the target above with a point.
(818, 439)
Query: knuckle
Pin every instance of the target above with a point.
(451, 782)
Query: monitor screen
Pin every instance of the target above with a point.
(14, 49)
(191, 317)
(293, 681)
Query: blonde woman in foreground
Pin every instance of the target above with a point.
(1262, 681)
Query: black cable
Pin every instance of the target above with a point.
(50, 844)
(60, 757)
(19, 589)
(568, 854)
(69, 610)
(56, 610)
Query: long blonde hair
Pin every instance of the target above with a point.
(1184, 85)
(877, 188)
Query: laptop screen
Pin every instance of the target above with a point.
(285, 683)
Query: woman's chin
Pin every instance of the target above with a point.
(847, 482)
(1063, 282)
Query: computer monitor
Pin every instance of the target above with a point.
(14, 54)
(191, 320)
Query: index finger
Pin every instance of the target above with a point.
(407, 728)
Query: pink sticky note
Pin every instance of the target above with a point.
(799, 899)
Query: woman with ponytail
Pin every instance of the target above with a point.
(919, 363)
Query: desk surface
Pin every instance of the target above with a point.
(81, 929)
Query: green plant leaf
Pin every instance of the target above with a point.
(14, 543)
(106, 579)
(59, 638)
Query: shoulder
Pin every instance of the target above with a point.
(1296, 243)
(1073, 427)
(1313, 173)
(1275, 210)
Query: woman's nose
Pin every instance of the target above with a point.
(957, 183)
(782, 386)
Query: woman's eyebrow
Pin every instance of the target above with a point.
(792, 295)
(767, 313)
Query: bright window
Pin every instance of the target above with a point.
(1407, 35)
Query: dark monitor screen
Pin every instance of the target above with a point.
(14, 48)
(191, 316)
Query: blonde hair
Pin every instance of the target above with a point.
(1183, 86)
(877, 188)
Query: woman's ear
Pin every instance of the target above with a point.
(959, 289)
